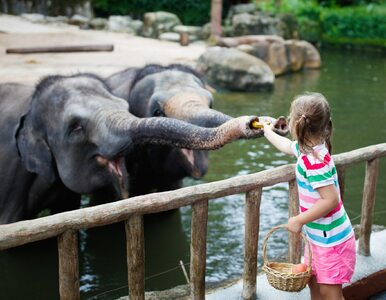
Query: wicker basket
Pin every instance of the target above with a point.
(279, 274)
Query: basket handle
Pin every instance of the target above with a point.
(265, 259)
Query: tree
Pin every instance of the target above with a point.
(215, 18)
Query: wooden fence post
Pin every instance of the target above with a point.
(252, 222)
(68, 265)
(198, 249)
(135, 244)
(341, 178)
(294, 240)
(368, 202)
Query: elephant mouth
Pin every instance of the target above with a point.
(115, 166)
(188, 154)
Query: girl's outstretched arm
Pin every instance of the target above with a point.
(280, 142)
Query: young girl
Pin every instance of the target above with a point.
(326, 223)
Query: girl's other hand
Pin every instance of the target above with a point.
(294, 225)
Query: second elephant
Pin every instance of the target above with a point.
(176, 92)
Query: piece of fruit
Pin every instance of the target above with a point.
(299, 268)
(256, 124)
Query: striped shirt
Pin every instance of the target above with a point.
(312, 172)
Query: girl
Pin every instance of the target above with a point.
(327, 225)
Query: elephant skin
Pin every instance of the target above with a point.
(178, 92)
(69, 135)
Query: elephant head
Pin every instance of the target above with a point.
(176, 92)
(77, 132)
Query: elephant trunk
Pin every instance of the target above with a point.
(176, 133)
(194, 108)
(208, 118)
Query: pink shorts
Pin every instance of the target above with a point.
(333, 265)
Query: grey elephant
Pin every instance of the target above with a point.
(175, 91)
(69, 135)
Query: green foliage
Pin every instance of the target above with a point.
(356, 22)
(191, 12)
(327, 21)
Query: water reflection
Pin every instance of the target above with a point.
(104, 267)
(30, 271)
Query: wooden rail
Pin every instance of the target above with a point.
(65, 225)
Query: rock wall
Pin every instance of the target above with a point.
(47, 7)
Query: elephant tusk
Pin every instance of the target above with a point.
(102, 161)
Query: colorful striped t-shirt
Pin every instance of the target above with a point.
(312, 172)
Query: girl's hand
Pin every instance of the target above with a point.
(267, 126)
(294, 224)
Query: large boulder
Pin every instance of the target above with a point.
(312, 58)
(119, 24)
(249, 8)
(277, 58)
(156, 23)
(281, 55)
(252, 24)
(235, 70)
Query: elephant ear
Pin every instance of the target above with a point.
(33, 149)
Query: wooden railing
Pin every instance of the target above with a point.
(66, 225)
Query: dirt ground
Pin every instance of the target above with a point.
(129, 51)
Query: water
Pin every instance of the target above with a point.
(355, 86)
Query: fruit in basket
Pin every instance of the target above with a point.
(299, 268)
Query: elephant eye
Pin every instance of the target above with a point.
(75, 128)
(158, 113)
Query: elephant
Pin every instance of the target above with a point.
(68, 136)
(174, 91)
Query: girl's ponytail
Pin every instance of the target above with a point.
(301, 133)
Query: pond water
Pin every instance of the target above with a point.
(355, 86)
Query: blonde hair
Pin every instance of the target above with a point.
(310, 118)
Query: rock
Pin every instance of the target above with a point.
(34, 18)
(57, 19)
(240, 9)
(195, 32)
(170, 36)
(249, 49)
(159, 22)
(257, 49)
(277, 58)
(312, 58)
(79, 20)
(282, 56)
(191, 30)
(119, 24)
(247, 39)
(136, 26)
(295, 54)
(206, 31)
(98, 23)
(260, 24)
(235, 70)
